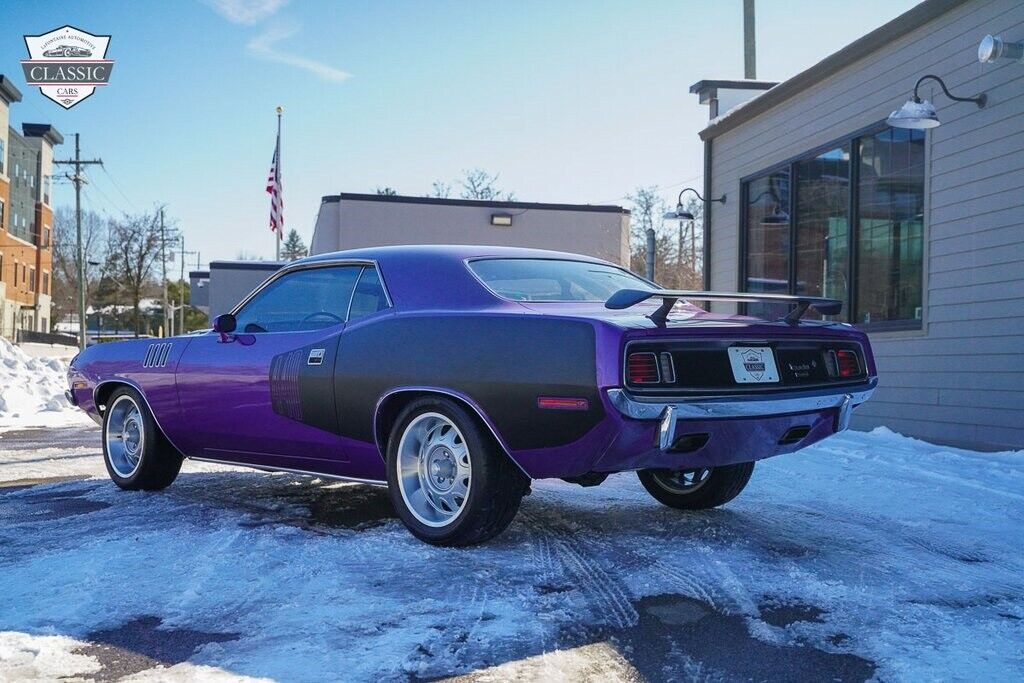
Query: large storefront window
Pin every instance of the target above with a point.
(875, 268)
(768, 239)
(890, 226)
(822, 225)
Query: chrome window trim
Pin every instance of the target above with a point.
(597, 262)
(754, 390)
(297, 266)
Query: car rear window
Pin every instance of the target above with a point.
(524, 279)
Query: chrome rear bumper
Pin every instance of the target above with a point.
(724, 407)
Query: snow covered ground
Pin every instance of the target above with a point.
(32, 390)
(867, 555)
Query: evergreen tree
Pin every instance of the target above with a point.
(294, 247)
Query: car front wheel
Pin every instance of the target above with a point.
(449, 481)
(135, 451)
(696, 489)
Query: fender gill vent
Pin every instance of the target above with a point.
(284, 384)
(156, 355)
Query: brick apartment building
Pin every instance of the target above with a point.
(26, 220)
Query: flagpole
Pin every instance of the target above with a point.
(277, 233)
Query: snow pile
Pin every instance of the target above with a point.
(32, 390)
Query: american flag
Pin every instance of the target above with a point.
(274, 189)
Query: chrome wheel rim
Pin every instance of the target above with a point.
(434, 469)
(125, 436)
(682, 481)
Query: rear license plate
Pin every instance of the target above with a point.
(753, 364)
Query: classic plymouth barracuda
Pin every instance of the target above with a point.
(455, 375)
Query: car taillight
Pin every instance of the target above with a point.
(642, 368)
(848, 364)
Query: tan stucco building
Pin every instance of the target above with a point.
(349, 221)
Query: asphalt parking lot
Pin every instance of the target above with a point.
(869, 555)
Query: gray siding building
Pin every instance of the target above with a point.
(349, 221)
(920, 232)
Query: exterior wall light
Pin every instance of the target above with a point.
(680, 213)
(502, 219)
(994, 47)
(919, 114)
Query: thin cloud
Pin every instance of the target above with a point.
(246, 12)
(264, 46)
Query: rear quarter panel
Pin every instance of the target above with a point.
(502, 362)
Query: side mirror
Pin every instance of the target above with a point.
(224, 324)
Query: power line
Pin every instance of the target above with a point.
(117, 207)
(118, 188)
(659, 188)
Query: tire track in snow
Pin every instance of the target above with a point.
(609, 597)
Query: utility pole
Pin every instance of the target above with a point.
(77, 179)
(181, 290)
(163, 260)
(749, 41)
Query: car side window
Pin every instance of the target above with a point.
(369, 296)
(308, 299)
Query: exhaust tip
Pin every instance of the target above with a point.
(794, 435)
(688, 443)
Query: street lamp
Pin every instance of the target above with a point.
(918, 114)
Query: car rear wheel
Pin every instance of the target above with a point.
(136, 453)
(448, 480)
(696, 489)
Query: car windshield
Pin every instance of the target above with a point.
(525, 279)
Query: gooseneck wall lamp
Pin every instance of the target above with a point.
(919, 114)
(680, 213)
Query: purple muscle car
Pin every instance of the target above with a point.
(455, 375)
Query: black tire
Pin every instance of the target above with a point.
(496, 485)
(158, 462)
(721, 485)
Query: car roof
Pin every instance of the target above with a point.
(459, 252)
(428, 277)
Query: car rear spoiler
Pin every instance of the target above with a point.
(625, 298)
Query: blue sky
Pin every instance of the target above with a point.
(569, 101)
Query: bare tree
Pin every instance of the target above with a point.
(479, 184)
(678, 244)
(387, 191)
(440, 190)
(132, 250)
(64, 287)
